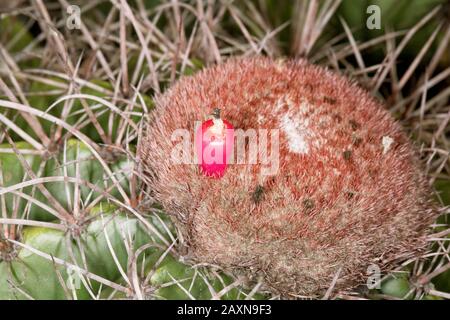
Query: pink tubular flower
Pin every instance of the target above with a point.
(214, 143)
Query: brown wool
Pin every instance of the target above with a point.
(349, 190)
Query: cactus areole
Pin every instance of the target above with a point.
(346, 189)
(214, 141)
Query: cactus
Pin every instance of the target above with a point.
(45, 262)
(91, 208)
(340, 199)
(76, 161)
(93, 256)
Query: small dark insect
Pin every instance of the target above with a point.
(308, 204)
(329, 100)
(258, 194)
(350, 194)
(347, 154)
(355, 125)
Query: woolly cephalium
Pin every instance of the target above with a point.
(348, 192)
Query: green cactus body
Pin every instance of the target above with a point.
(100, 249)
(42, 95)
(174, 280)
(397, 287)
(65, 163)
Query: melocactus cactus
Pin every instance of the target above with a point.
(348, 192)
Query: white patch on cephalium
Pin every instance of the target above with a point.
(296, 132)
(386, 142)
